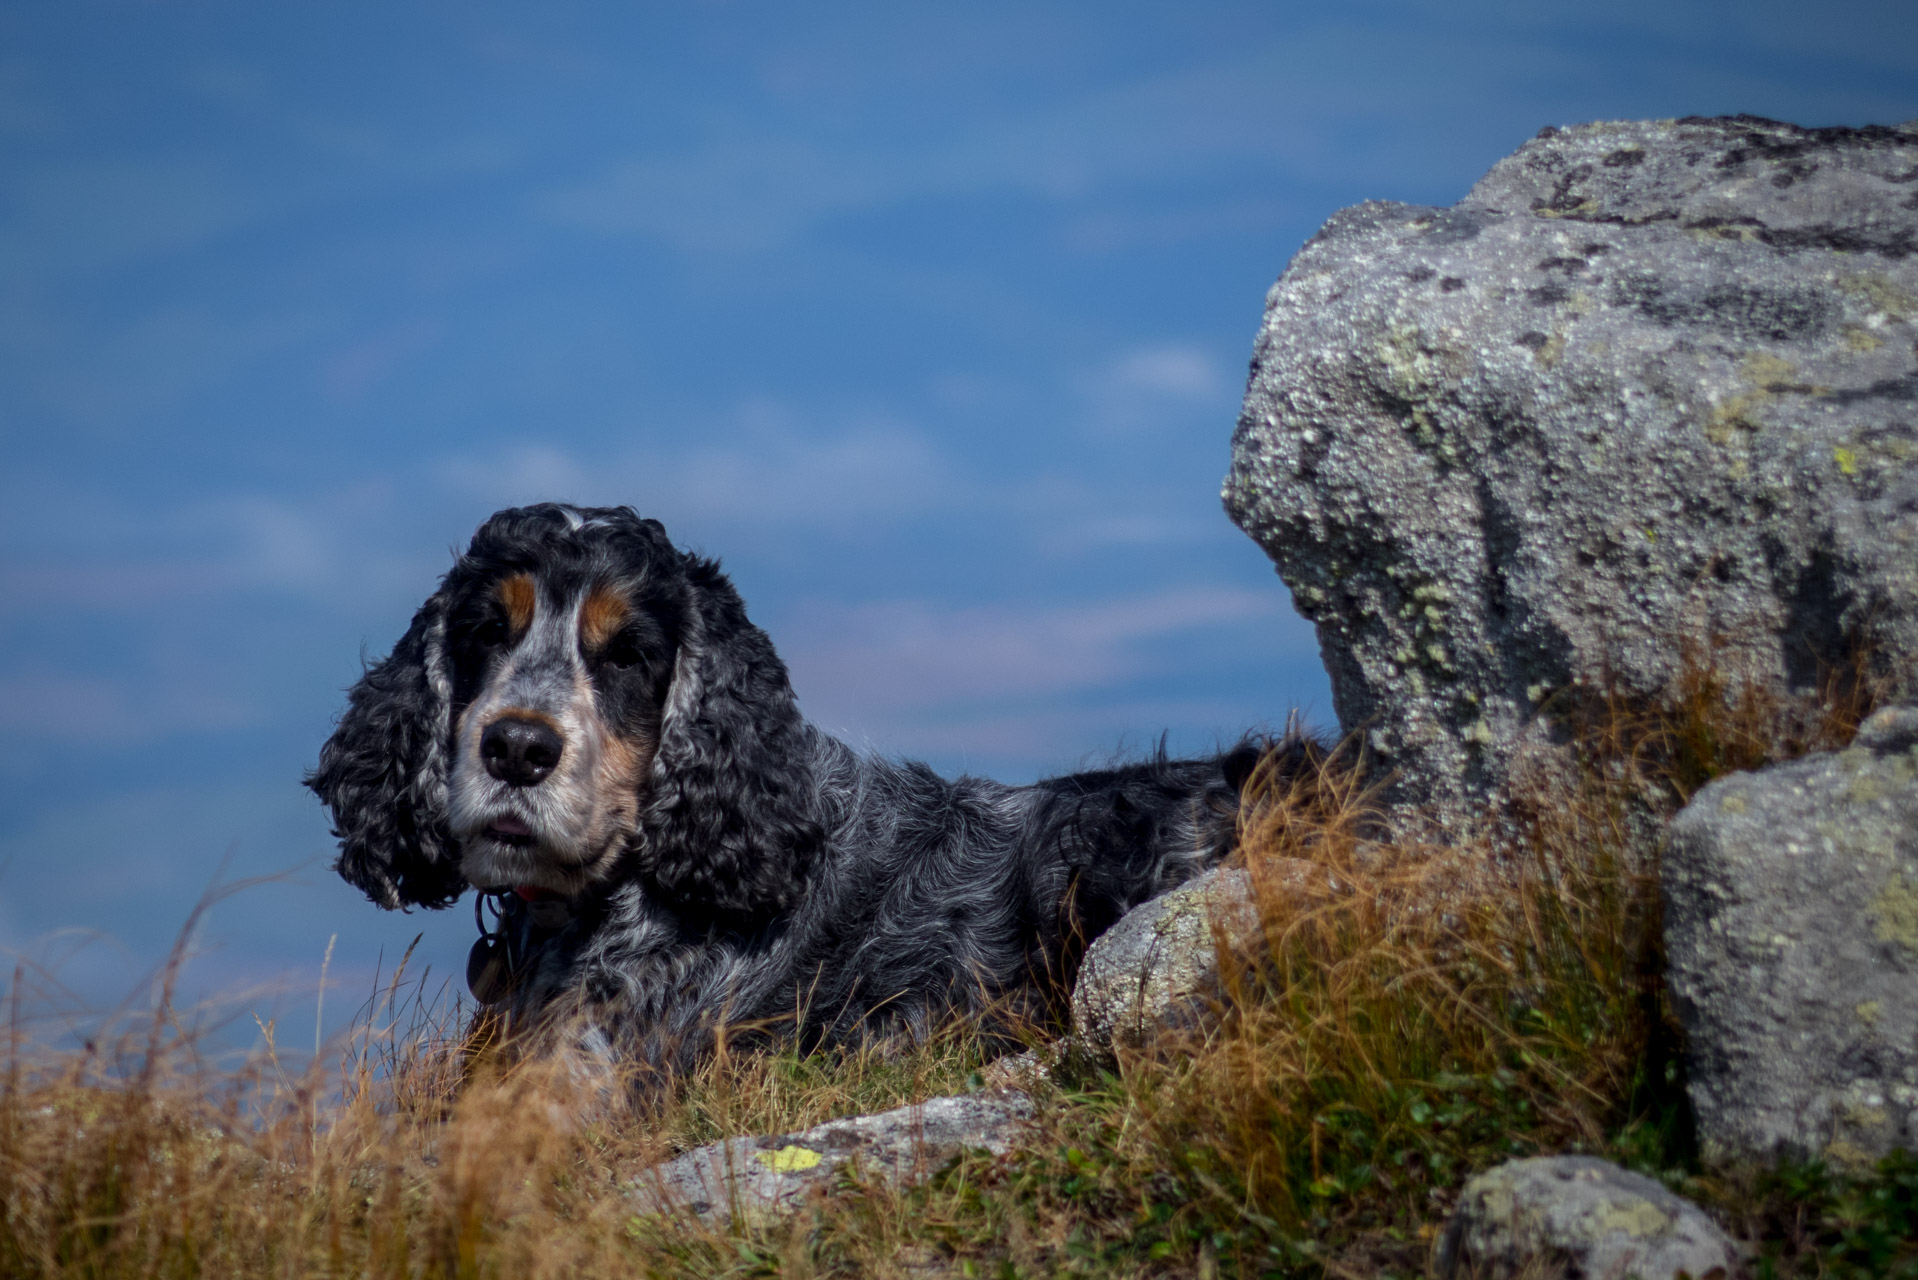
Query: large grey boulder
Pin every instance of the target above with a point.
(1580, 1218)
(1649, 387)
(1791, 927)
(759, 1179)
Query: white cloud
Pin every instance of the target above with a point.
(872, 659)
(1020, 692)
(1182, 372)
(762, 468)
(130, 555)
(1153, 388)
(751, 194)
(1286, 103)
(1397, 105)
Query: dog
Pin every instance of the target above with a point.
(582, 725)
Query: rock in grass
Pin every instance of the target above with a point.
(1648, 385)
(1578, 1217)
(1791, 927)
(1159, 966)
(756, 1180)
(1024, 1069)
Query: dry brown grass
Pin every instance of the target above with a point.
(407, 1154)
(1403, 1016)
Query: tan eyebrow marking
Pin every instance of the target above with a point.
(518, 595)
(601, 617)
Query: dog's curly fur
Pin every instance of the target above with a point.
(701, 854)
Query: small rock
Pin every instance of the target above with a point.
(1158, 968)
(756, 1180)
(1024, 1069)
(1159, 965)
(1791, 929)
(1581, 1218)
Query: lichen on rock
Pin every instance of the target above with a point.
(1158, 966)
(1648, 385)
(1791, 924)
(751, 1180)
(1579, 1217)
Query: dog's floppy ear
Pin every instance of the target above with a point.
(383, 773)
(729, 832)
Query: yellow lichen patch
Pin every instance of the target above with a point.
(1861, 339)
(1733, 803)
(1846, 459)
(1638, 1219)
(1740, 412)
(1881, 295)
(1413, 369)
(1761, 368)
(1584, 208)
(1551, 351)
(1848, 1155)
(1869, 1011)
(1894, 913)
(1735, 414)
(790, 1159)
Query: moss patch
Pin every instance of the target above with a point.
(1894, 913)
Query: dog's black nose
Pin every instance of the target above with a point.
(519, 751)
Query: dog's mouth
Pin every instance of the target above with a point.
(510, 830)
(528, 853)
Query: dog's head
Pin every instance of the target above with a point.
(579, 702)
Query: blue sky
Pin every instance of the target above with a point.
(929, 320)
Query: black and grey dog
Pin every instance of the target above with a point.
(582, 724)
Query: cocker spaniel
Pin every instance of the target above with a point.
(582, 725)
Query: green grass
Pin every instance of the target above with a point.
(1812, 1221)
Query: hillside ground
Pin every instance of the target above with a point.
(1410, 1016)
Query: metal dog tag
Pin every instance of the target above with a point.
(486, 972)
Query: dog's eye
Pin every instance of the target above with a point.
(490, 634)
(623, 651)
